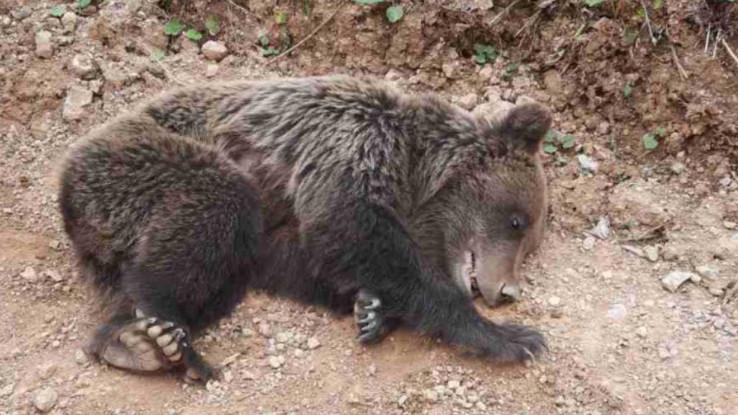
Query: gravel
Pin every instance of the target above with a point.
(45, 399)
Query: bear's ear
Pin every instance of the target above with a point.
(525, 126)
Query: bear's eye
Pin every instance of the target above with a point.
(516, 222)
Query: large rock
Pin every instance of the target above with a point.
(214, 50)
(44, 46)
(78, 98)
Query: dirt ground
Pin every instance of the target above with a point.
(622, 219)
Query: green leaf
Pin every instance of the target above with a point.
(627, 90)
(549, 148)
(280, 17)
(484, 53)
(193, 35)
(158, 55)
(173, 28)
(593, 3)
(269, 51)
(567, 141)
(263, 40)
(368, 2)
(58, 10)
(211, 24)
(660, 132)
(395, 13)
(657, 4)
(550, 136)
(81, 4)
(649, 141)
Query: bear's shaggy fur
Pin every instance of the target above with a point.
(329, 190)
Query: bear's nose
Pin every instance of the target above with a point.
(510, 293)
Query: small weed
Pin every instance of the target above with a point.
(484, 53)
(81, 4)
(57, 11)
(212, 25)
(158, 55)
(593, 3)
(510, 71)
(395, 13)
(651, 140)
(554, 140)
(657, 4)
(280, 17)
(173, 28)
(193, 35)
(627, 90)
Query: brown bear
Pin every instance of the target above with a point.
(334, 191)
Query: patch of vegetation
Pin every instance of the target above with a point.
(651, 139)
(81, 4)
(484, 53)
(554, 141)
(628, 90)
(173, 27)
(395, 13)
(212, 25)
(193, 35)
(58, 10)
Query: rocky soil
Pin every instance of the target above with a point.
(635, 287)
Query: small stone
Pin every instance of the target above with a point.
(402, 400)
(453, 384)
(729, 225)
(46, 371)
(677, 167)
(707, 271)
(78, 98)
(214, 50)
(264, 329)
(21, 13)
(673, 280)
(44, 47)
(587, 163)
(554, 301)
(481, 406)
(55, 245)
(83, 66)
(211, 70)
(276, 361)
(7, 390)
(652, 253)
(588, 243)
(486, 72)
(69, 22)
(393, 75)
(80, 357)
(617, 311)
(468, 101)
(641, 332)
(634, 250)
(299, 353)
(313, 343)
(602, 229)
(45, 399)
(29, 274)
(53, 275)
(716, 289)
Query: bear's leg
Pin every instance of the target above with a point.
(370, 320)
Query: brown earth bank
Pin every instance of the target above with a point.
(625, 219)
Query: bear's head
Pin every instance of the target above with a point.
(488, 212)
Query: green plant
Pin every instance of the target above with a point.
(554, 140)
(158, 55)
(510, 70)
(173, 28)
(266, 49)
(57, 11)
(593, 3)
(651, 139)
(657, 4)
(212, 26)
(81, 4)
(395, 13)
(627, 90)
(484, 53)
(193, 35)
(280, 17)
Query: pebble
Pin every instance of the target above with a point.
(707, 271)
(80, 357)
(214, 50)
(652, 253)
(299, 353)
(264, 329)
(602, 229)
(313, 343)
(730, 225)
(554, 301)
(393, 75)
(29, 274)
(46, 371)
(211, 70)
(69, 22)
(276, 361)
(78, 98)
(588, 243)
(486, 72)
(587, 163)
(673, 280)
(7, 390)
(83, 66)
(44, 47)
(617, 311)
(45, 399)
(677, 167)
(468, 101)
(53, 275)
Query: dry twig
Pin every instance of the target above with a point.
(502, 13)
(306, 38)
(682, 72)
(530, 21)
(730, 51)
(648, 23)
